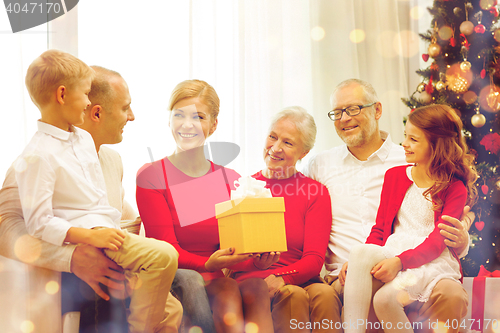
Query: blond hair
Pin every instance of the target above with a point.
(54, 68)
(196, 89)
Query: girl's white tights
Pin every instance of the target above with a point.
(388, 301)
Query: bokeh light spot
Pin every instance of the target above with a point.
(317, 33)
(403, 297)
(441, 327)
(52, 287)
(489, 98)
(195, 329)
(357, 36)
(31, 158)
(406, 43)
(486, 4)
(384, 44)
(495, 325)
(458, 81)
(417, 12)
(251, 328)
(230, 319)
(26, 250)
(27, 326)
(496, 35)
(20, 165)
(470, 97)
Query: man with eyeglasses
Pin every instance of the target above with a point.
(354, 174)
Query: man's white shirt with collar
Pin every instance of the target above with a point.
(61, 184)
(355, 187)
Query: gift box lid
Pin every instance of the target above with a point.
(250, 205)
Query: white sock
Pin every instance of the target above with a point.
(358, 286)
(389, 303)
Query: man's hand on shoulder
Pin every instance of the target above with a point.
(457, 235)
(93, 267)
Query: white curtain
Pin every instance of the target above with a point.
(382, 58)
(18, 113)
(17, 124)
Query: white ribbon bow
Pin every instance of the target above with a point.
(251, 188)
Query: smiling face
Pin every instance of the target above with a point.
(117, 112)
(357, 130)
(283, 148)
(76, 101)
(417, 146)
(191, 123)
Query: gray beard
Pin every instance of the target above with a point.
(362, 137)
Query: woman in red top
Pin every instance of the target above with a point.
(176, 198)
(299, 299)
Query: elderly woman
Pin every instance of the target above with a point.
(176, 197)
(298, 297)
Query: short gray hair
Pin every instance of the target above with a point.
(369, 93)
(303, 121)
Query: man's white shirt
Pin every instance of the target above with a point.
(355, 187)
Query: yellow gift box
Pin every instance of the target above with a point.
(252, 225)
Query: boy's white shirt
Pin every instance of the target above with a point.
(58, 258)
(61, 184)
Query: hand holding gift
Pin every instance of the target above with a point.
(224, 258)
(266, 260)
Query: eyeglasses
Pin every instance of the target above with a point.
(352, 110)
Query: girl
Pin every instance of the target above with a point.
(405, 249)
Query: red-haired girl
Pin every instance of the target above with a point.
(405, 253)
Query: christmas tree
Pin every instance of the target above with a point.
(464, 72)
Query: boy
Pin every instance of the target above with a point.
(62, 189)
